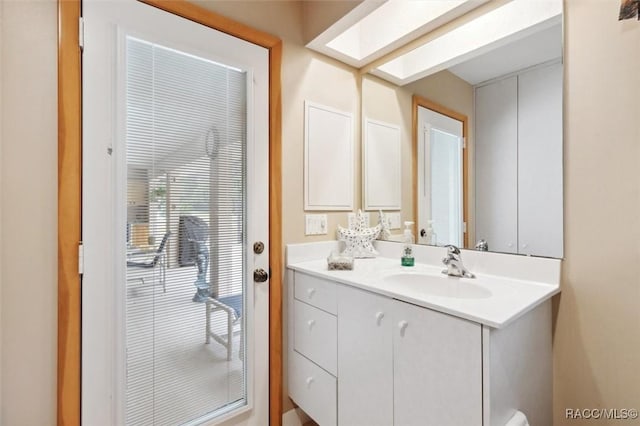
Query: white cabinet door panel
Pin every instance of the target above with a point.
(540, 161)
(365, 350)
(437, 363)
(497, 165)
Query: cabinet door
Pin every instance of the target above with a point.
(365, 375)
(540, 162)
(496, 151)
(437, 363)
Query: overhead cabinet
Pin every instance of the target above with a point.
(519, 163)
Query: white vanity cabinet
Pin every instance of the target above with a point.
(401, 364)
(365, 358)
(359, 358)
(313, 360)
(437, 368)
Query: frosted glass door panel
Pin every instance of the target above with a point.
(446, 186)
(496, 152)
(540, 227)
(185, 133)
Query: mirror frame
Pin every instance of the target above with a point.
(419, 101)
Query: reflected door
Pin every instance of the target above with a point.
(440, 179)
(175, 118)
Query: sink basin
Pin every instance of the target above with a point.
(444, 286)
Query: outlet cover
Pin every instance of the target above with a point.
(316, 224)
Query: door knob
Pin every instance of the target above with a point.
(260, 275)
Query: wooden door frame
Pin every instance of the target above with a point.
(419, 101)
(70, 198)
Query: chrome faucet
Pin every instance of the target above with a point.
(454, 265)
(482, 245)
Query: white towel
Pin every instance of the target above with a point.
(518, 419)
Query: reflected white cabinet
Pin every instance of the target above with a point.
(496, 151)
(518, 151)
(401, 364)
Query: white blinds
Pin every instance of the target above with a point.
(185, 136)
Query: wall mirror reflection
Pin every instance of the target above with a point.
(481, 116)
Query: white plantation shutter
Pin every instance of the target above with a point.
(186, 120)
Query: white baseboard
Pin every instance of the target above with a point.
(294, 417)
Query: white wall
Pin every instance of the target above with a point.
(29, 220)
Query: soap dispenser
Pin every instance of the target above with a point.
(429, 236)
(407, 249)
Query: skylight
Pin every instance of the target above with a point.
(392, 21)
(382, 29)
(513, 21)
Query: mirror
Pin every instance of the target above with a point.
(481, 145)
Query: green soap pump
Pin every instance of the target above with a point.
(407, 249)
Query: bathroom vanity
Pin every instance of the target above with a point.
(390, 345)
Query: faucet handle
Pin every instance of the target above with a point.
(451, 249)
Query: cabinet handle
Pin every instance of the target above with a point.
(379, 316)
(311, 292)
(310, 323)
(309, 381)
(402, 325)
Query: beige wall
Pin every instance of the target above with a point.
(596, 342)
(597, 328)
(29, 220)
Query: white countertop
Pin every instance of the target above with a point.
(509, 298)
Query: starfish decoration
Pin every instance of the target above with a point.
(385, 226)
(359, 240)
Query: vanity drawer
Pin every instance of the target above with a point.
(313, 389)
(315, 336)
(316, 291)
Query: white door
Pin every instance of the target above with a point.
(440, 179)
(437, 368)
(175, 193)
(365, 358)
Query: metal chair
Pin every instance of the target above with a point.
(157, 260)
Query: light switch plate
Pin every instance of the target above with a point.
(394, 220)
(315, 224)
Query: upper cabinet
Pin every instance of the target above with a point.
(519, 162)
